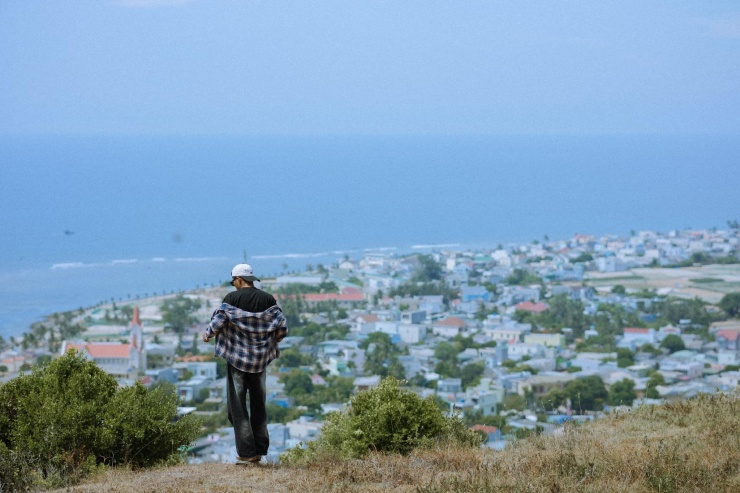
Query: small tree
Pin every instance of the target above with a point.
(388, 419)
(656, 378)
(587, 393)
(673, 343)
(730, 303)
(622, 393)
(297, 382)
(178, 312)
(625, 358)
(619, 289)
(471, 373)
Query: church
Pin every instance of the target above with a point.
(121, 360)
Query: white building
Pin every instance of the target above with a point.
(412, 333)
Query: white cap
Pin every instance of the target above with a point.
(244, 271)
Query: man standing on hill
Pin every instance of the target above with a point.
(247, 326)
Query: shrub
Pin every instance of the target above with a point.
(385, 419)
(66, 419)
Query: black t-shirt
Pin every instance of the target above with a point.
(250, 299)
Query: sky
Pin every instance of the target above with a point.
(197, 67)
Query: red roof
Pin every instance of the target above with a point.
(636, 330)
(198, 358)
(103, 349)
(484, 428)
(451, 322)
(368, 318)
(730, 335)
(528, 306)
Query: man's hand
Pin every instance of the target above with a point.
(205, 337)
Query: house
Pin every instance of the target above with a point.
(449, 386)
(205, 369)
(520, 349)
(511, 332)
(475, 293)
(727, 357)
(549, 340)
(458, 277)
(485, 401)
(535, 308)
(431, 304)
(518, 294)
(159, 375)
(727, 339)
(304, 428)
(411, 366)
(159, 355)
(364, 323)
(449, 327)
(493, 357)
(348, 298)
(635, 337)
(366, 383)
(193, 388)
(13, 361)
(663, 332)
(413, 317)
(492, 433)
(412, 333)
(540, 385)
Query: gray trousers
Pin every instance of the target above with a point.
(250, 427)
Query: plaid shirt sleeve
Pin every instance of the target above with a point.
(248, 341)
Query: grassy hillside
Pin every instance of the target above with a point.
(687, 446)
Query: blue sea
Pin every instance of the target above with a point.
(89, 219)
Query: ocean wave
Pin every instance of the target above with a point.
(291, 255)
(441, 245)
(381, 249)
(68, 265)
(124, 261)
(159, 259)
(200, 259)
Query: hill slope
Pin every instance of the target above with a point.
(687, 446)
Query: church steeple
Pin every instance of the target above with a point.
(136, 320)
(138, 353)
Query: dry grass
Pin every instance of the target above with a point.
(691, 446)
(681, 281)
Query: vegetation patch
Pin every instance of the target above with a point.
(386, 419)
(68, 419)
(706, 280)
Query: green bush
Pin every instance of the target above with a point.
(384, 419)
(68, 418)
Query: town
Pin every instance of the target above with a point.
(519, 338)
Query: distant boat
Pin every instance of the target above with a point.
(68, 232)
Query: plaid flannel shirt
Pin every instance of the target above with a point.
(248, 341)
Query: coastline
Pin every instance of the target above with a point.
(86, 285)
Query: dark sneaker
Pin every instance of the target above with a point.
(254, 459)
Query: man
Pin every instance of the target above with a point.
(247, 326)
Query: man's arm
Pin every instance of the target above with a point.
(282, 329)
(218, 320)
